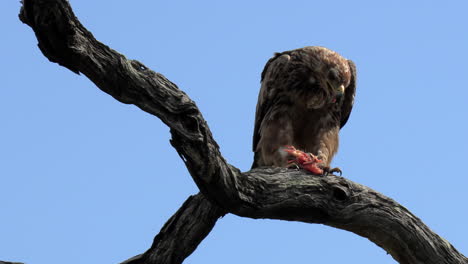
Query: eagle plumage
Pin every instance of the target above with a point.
(306, 97)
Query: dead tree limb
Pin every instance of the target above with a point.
(182, 233)
(260, 193)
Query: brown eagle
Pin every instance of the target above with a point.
(306, 96)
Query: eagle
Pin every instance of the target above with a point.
(306, 97)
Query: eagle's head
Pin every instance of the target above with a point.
(325, 72)
(318, 76)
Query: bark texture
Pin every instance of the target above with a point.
(260, 193)
(182, 233)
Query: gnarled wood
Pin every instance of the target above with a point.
(182, 233)
(260, 193)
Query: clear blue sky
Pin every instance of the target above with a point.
(89, 180)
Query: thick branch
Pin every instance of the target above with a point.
(182, 233)
(62, 39)
(261, 193)
(341, 203)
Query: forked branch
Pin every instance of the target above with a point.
(260, 193)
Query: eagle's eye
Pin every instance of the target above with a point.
(333, 75)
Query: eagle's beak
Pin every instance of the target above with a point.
(340, 91)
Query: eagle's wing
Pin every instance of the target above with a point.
(269, 98)
(349, 95)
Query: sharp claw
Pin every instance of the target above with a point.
(292, 165)
(338, 170)
(329, 171)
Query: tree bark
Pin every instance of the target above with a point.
(260, 193)
(182, 233)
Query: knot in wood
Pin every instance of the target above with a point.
(340, 194)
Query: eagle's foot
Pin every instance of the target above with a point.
(329, 171)
(292, 165)
(306, 161)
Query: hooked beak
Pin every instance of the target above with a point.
(339, 91)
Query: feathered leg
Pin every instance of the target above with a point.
(276, 134)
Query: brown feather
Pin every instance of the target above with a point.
(298, 104)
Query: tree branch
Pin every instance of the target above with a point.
(182, 233)
(260, 193)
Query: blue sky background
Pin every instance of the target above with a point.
(89, 180)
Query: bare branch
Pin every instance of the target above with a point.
(62, 39)
(260, 193)
(341, 203)
(182, 233)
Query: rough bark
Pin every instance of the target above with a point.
(182, 233)
(260, 193)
